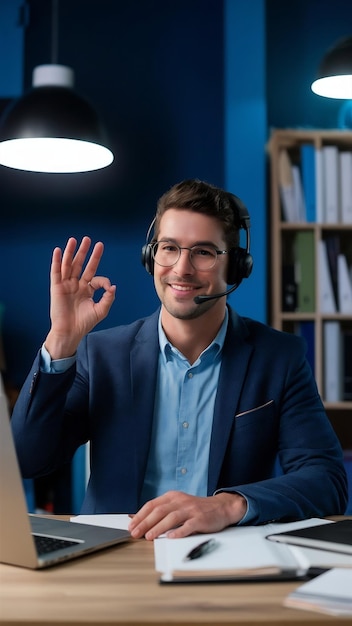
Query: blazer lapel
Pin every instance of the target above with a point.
(235, 358)
(143, 376)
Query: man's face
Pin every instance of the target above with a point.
(177, 286)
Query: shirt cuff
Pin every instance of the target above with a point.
(251, 513)
(252, 509)
(54, 366)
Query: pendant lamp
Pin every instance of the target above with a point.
(334, 76)
(51, 128)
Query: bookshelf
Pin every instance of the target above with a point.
(311, 222)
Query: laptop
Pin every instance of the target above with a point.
(32, 541)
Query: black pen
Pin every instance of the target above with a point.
(201, 549)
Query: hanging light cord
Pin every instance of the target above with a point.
(54, 30)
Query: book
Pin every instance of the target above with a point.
(289, 288)
(319, 186)
(333, 364)
(344, 285)
(328, 593)
(309, 180)
(347, 367)
(305, 270)
(286, 186)
(346, 187)
(332, 244)
(335, 537)
(331, 184)
(298, 194)
(347, 461)
(242, 553)
(326, 294)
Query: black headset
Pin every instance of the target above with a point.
(240, 259)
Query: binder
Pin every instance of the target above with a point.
(305, 270)
(319, 186)
(309, 180)
(333, 364)
(346, 187)
(289, 288)
(332, 243)
(347, 367)
(331, 184)
(298, 194)
(326, 294)
(286, 186)
(344, 285)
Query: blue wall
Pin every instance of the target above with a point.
(186, 88)
(155, 71)
(245, 135)
(11, 48)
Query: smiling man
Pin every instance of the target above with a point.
(188, 263)
(190, 411)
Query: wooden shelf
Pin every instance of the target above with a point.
(282, 245)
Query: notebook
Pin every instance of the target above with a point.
(244, 553)
(22, 534)
(328, 593)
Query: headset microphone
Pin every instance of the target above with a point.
(200, 299)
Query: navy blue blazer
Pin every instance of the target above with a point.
(267, 406)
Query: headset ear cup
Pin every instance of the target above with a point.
(146, 254)
(147, 258)
(240, 266)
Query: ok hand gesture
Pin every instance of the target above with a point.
(73, 310)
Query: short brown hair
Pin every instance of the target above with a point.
(201, 197)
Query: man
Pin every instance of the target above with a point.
(188, 410)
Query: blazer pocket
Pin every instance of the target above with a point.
(258, 410)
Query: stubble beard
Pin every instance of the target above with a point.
(190, 314)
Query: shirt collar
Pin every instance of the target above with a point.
(167, 349)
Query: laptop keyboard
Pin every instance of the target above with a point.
(45, 544)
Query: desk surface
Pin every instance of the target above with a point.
(120, 586)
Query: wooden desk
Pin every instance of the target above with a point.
(120, 586)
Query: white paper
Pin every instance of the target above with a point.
(120, 520)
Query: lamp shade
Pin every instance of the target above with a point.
(53, 129)
(334, 76)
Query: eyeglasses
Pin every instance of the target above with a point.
(202, 257)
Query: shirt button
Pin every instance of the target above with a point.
(185, 424)
(190, 375)
(183, 470)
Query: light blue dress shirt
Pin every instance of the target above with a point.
(183, 416)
